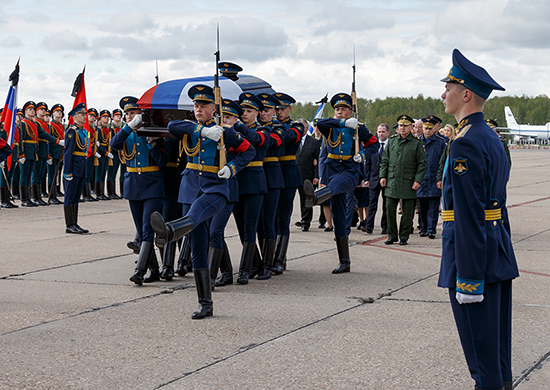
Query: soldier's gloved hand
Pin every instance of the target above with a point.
(468, 298)
(135, 123)
(214, 133)
(61, 142)
(351, 123)
(110, 155)
(22, 160)
(97, 143)
(358, 158)
(68, 178)
(97, 155)
(224, 173)
(2, 164)
(49, 161)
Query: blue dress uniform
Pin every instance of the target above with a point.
(342, 172)
(203, 191)
(428, 194)
(74, 170)
(478, 261)
(103, 138)
(113, 169)
(58, 131)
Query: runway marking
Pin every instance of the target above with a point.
(534, 273)
(531, 201)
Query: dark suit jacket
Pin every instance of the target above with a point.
(372, 170)
(305, 156)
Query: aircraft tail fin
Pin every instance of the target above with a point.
(510, 120)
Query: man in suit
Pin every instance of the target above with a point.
(372, 178)
(307, 158)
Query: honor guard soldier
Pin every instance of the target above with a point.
(204, 189)
(58, 131)
(74, 169)
(103, 138)
(344, 169)
(87, 193)
(143, 185)
(113, 169)
(478, 261)
(494, 125)
(428, 194)
(15, 159)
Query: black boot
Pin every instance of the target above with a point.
(256, 268)
(170, 231)
(54, 199)
(184, 257)
(315, 197)
(226, 269)
(87, 193)
(167, 272)
(70, 224)
(343, 255)
(75, 208)
(5, 199)
(134, 245)
(15, 191)
(100, 191)
(204, 292)
(121, 182)
(111, 190)
(247, 255)
(153, 265)
(43, 189)
(268, 252)
(214, 259)
(36, 196)
(144, 254)
(280, 254)
(25, 197)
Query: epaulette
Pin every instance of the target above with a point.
(394, 135)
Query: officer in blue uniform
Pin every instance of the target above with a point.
(143, 185)
(75, 167)
(204, 189)
(478, 261)
(343, 169)
(428, 194)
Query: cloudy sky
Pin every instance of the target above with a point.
(301, 47)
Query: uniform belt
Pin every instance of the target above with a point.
(80, 154)
(490, 215)
(152, 168)
(103, 144)
(287, 158)
(271, 159)
(43, 140)
(15, 144)
(200, 167)
(29, 141)
(338, 157)
(172, 165)
(255, 164)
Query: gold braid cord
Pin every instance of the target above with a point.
(334, 144)
(191, 152)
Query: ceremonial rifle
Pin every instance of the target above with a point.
(218, 116)
(354, 106)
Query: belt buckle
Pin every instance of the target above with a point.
(139, 170)
(200, 167)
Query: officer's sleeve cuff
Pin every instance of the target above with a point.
(233, 168)
(66, 175)
(342, 123)
(468, 286)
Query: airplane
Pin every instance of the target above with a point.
(524, 133)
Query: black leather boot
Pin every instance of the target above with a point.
(214, 259)
(54, 199)
(184, 257)
(268, 252)
(170, 231)
(226, 269)
(256, 268)
(100, 191)
(75, 208)
(343, 255)
(43, 189)
(167, 272)
(144, 254)
(153, 265)
(134, 245)
(121, 182)
(111, 190)
(280, 254)
(36, 196)
(204, 292)
(247, 255)
(315, 197)
(70, 224)
(25, 197)
(15, 191)
(5, 199)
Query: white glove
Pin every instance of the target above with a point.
(97, 155)
(135, 123)
(22, 160)
(97, 143)
(2, 164)
(69, 178)
(224, 173)
(214, 133)
(110, 155)
(49, 161)
(468, 298)
(61, 142)
(151, 139)
(358, 158)
(351, 123)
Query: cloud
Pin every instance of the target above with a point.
(65, 41)
(128, 23)
(11, 41)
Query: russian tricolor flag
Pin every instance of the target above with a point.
(319, 113)
(10, 110)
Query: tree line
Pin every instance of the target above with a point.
(526, 109)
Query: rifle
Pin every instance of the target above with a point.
(354, 106)
(10, 196)
(96, 160)
(218, 116)
(109, 145)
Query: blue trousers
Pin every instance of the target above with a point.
(342, 188)
(141, 213)
(284, 211)
(485, 331)
(112, 170)
(268, 215)
(428, 210)
(38, 171)
(90, 171)
(73, 189)
(26, 171)
(247, 213)
(218, 224)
